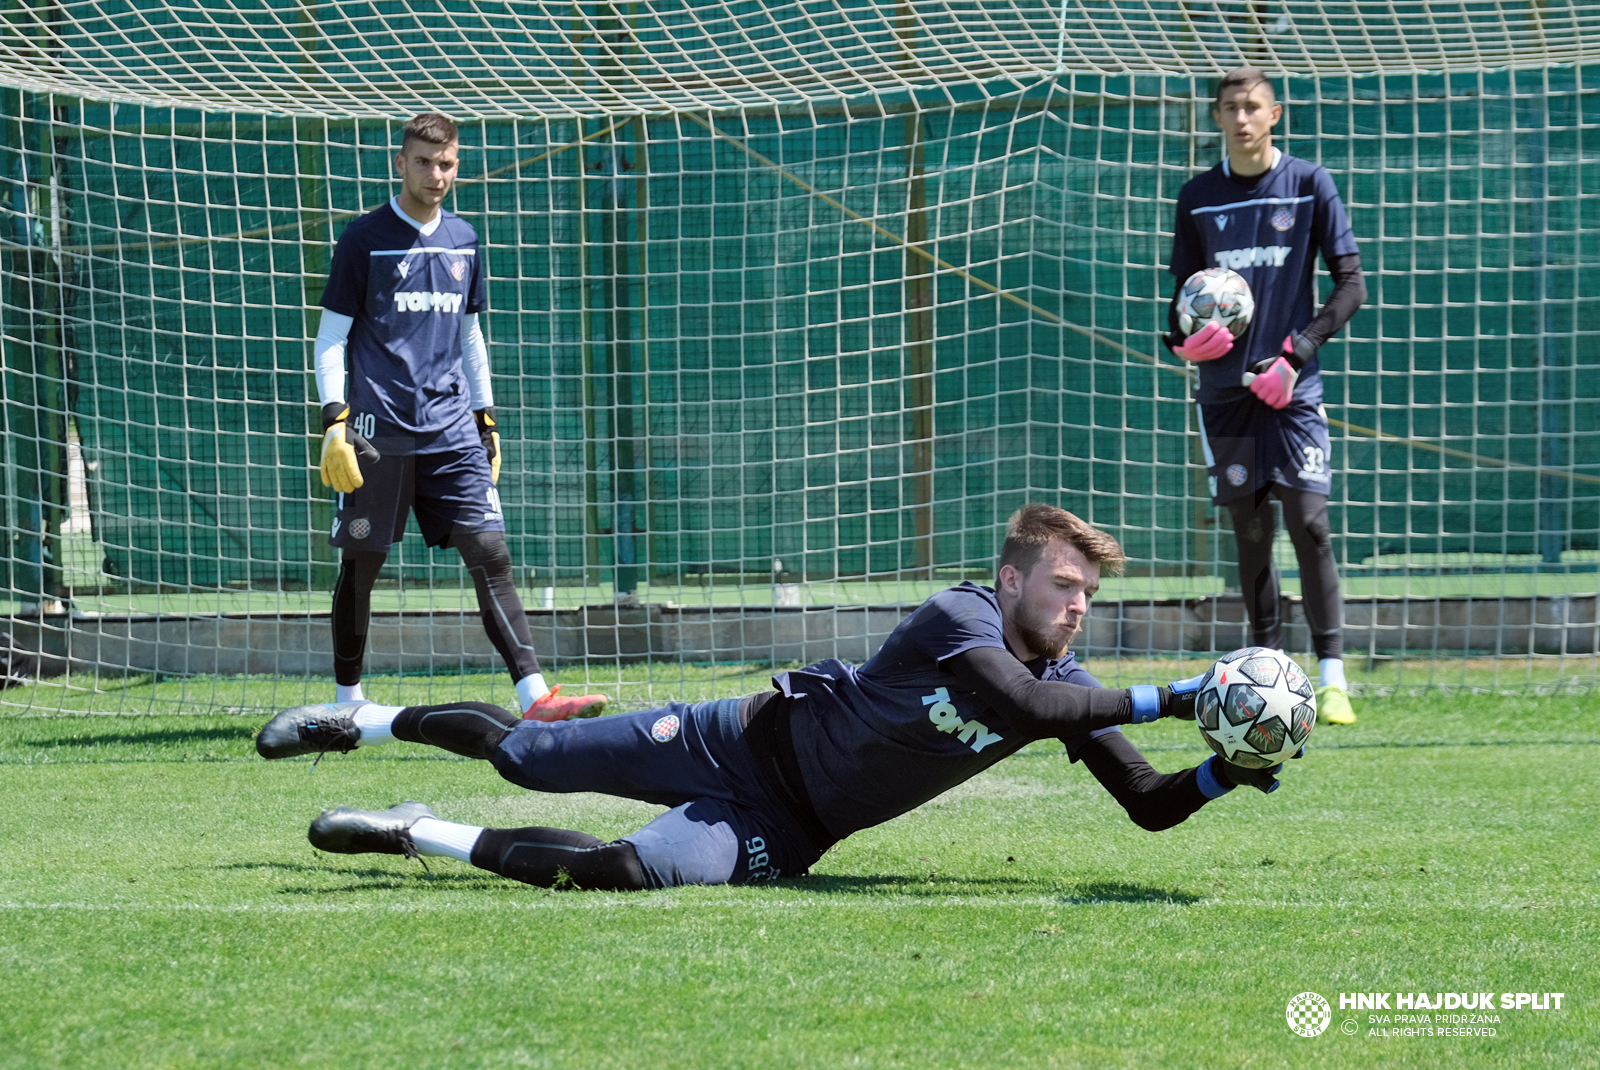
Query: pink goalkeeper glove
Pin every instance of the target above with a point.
(1273, 380)
(1208, 343)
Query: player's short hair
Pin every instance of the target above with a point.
(431, 127)
(1246, 78)
(1036, 524)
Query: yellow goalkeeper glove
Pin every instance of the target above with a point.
(490, 437)
(340, 445)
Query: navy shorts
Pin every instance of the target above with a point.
(452, 493)
(722, 825)
(1250, 446)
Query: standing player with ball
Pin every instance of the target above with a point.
(408, 415)
(1265, 215)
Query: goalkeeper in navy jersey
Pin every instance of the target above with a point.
(408, 413)
(758, 788)
(1266, 215)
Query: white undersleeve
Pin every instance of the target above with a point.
(332, 334)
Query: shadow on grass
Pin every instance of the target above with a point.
(1097, 892)
(942, 887)
(388, 879)
(229, 733)
(367, 878)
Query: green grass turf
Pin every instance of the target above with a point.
(159, 906)
(641, 685)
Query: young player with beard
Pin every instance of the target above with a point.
(760, 787)
(408, 413)
(1265, 214)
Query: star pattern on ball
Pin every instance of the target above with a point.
(1260, 695)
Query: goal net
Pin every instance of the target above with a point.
(791, 306)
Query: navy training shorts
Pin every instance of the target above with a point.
(452, 493)
(722, 825)
(1250, 446)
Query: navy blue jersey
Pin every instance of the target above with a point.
(408, 293)
(1271, 235)
(875, 741)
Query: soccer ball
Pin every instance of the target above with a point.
(1256, 707)
(1215, 294)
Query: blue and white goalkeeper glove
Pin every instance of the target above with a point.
(1175, 700)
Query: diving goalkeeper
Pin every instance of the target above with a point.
(760, 787)
(408, 414)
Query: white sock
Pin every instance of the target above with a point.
(341, 693)
(531, 689)
(1332, 670)
(375, 721)
(445, 839)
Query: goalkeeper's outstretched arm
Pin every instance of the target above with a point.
(1154, 801)
(1157, 801)
(1046, 708)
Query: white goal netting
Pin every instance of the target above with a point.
(791, 305)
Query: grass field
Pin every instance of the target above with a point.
(640, 685)
(159, 906)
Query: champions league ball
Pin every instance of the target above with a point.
(1215, 294)
(1255, 707)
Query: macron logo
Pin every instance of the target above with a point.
(1260, 256)
(423, 301)
(1222, 222)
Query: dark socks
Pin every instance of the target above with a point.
(471, 729)
(352, 609)
(558, 858)
(1253, 529)
(488, 562)
(1305, 517)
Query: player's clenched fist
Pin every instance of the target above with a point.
(339, 446)
(1208, 343)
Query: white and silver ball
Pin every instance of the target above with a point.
(1215, 295)
(1256, 707)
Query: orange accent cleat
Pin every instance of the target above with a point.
(556, 707)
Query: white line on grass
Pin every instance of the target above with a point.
(666, 901)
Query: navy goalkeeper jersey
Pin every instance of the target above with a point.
(1269, 233)
(875, 741)
(409, 293)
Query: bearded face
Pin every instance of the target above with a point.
(1040, 627)
(1044, 606)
